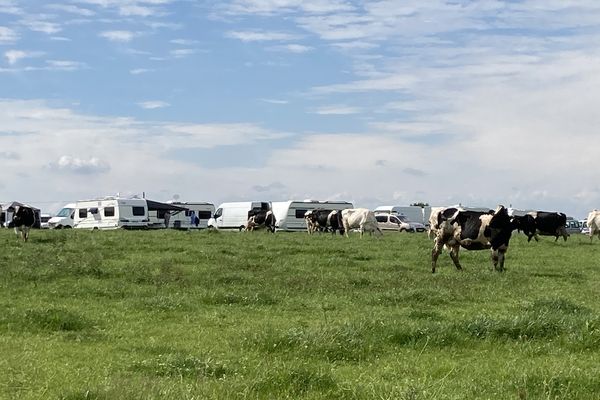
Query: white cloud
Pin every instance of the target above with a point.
(118, 36)
(138, 71)
(14, 56)
(181, 53)
(151, 105)
(65, 65)
(184, 42)
(293, 48)
(8, 35)
(72, 9)
(261, 36)
(275, 101)
(39, 25)
(92, 165)
(337, 110)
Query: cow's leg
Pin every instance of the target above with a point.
(498, 258)
(25, 233)
(435, 252)
(536, 237)
(454, 256)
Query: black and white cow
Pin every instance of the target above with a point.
(259, 219)
(320, 219)
(542, 223)
(23, 220)
(473, 230)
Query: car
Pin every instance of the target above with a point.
(585, 229)
(573, 226)
(44, 218)
(397, 222)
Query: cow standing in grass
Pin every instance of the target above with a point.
(320, 219)
(260, 219)
(23, 220)
(593, 223)
(361, 219)
(473, 230)
(543, 223)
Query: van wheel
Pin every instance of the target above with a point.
(67, 227)
(242, 227)
(58, 227)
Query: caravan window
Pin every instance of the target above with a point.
(109, 211)
(83, 213)
(94, 210)
(300, 213)
(138, 211)
(204, 214)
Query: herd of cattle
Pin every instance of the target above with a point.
(449, 227)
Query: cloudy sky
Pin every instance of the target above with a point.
(377, 102)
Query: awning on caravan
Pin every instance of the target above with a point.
(157, 205)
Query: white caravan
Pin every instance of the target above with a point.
(289, 215)
(183, 219)
(111, 213)
(64, 218)
(235, 215)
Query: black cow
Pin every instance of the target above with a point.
(261, 218)
(320, 219)
(542, 223)
(473, 230)
(23, 220)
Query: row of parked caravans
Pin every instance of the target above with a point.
(115, 212)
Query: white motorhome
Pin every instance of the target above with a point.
(64, 218)
(183, 219)
(235, 215)
(111, 213)
(289, 215)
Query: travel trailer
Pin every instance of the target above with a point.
(289, 215)
(7, 211)
(187, 217)
(64, 218)
(111, 213)
(235, 215)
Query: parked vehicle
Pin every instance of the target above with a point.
(412, 213)
(44, 218)
(289, 215)
(183, 219)
(64, 218)
(235, 215)
(111, 213)
(391, 222)
(7, 211)
(585, 229)
(573, 225)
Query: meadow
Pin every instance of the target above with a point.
(220, 315)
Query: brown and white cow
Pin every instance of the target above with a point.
(473, 230)
(593, 223)
(361, 219)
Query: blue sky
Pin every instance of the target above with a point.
(376, 102)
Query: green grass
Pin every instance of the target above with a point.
(193, 315)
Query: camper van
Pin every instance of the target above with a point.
(111, 213)
(235, 215)
(289, 215)
(64, 218)
(183, 219)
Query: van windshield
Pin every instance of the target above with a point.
(65, 212)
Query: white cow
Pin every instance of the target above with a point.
(361, 219)
(593, 223)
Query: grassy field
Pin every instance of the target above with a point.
(195, 315)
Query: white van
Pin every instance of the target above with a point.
(289, 215)
(235, 215)
(412, 213)
(111, 213)
(183, 220)
(64, 218)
